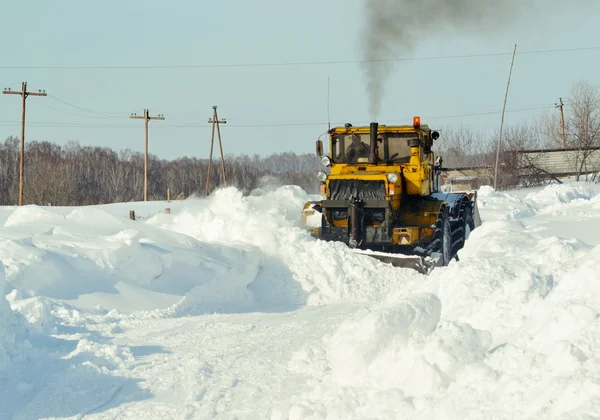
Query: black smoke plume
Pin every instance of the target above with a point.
(394, 27)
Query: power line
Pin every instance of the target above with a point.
(51, 124)
(478, 114)
(102, 114)
(297, 63)
(120, 114)
(182, 124)
(77, 115)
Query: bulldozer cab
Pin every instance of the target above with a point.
(351, 148)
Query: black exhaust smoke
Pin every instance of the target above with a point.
(373, 144)
(396, 28)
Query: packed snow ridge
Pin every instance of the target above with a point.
(226, 308)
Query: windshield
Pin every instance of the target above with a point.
(354, 148)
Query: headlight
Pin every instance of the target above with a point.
(392, 177)
(326, 161)
(322, 176)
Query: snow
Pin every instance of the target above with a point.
(224, 307)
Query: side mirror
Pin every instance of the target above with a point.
(435, 135)
(319, 148)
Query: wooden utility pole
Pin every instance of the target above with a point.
(562, 122)
(24, 94)
(502, 120)
(146, 117)
(215, 123)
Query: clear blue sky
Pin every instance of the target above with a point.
(115, 33)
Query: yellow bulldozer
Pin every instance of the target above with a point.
(382, 197)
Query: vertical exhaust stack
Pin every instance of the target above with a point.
(373, 144)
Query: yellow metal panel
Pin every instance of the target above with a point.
(405, 236)
(412, 235)
(422, 213)
(340, 223)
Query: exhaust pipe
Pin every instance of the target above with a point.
(373, 144)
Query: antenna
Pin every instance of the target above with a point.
(328, 117)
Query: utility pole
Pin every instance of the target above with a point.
(562, 122)
(215, 123)
(146, 117)
(24, 94)
(502, 120)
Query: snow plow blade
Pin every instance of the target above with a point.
(423, 265)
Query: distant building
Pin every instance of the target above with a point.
(466, 178)
(547, 163)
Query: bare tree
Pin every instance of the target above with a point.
(9, 168)
(583, 126)
(83, 175)
(462, 147)
(550, 127)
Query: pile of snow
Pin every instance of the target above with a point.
(295, 269)
(499, 205)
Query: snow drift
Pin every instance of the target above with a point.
(225, 253)
(226, 307)
(294, 269)
(504, 333)
(10, 327)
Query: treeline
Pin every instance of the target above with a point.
(81, 175)
(78, 175)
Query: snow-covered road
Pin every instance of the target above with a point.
(223, 365)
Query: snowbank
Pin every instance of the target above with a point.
(509, 331)
(552, 199)
(225, 253)
(10, 327)
(90, 256)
